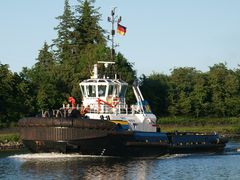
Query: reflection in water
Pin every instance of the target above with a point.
(74, 166)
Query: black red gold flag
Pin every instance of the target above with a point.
(121, 29)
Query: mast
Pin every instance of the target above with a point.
(112, 20)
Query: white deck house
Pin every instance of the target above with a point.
(104, 98)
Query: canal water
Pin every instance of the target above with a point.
(23, 165)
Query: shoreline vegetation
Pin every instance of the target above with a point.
(10, 140)
(229, 127)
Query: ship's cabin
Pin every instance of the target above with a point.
(103, 95)
(104, 99)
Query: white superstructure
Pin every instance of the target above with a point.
(104, 99)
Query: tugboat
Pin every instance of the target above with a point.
(106, 125)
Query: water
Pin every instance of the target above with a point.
(64, 166)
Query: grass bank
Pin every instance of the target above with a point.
(220, 125)
(10, 140)
(13, 137)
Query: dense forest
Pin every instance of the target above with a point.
(69, 59)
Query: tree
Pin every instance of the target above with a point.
(11, 102)
(232, 90)
(87, 29)
(45, 60)
(181, 86)
(65, 49)
(88, 37)
(44, 76)
(6, 93)
(217, 78)
(155, 89)
(26, 96)
(200, 95)
(64, 44)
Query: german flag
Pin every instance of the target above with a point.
(121, 29)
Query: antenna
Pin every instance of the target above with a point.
(95, 68)
(112, 20)
(106, 63)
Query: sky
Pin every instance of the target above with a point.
(161, 34)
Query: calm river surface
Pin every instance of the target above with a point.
(59, 166)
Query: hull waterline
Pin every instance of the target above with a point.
(103, 138)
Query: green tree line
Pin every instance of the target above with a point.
(192, 93)
(80, 43)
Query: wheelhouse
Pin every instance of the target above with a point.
(98, 93)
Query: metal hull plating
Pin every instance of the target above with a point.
(104, 138)
(195, 142)
(107, 146)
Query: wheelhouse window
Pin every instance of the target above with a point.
(110, 90)
(123, 91)
(117, 89)
(91, 90)
(83, 90)
(102, 90)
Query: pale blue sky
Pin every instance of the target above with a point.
(161, 34)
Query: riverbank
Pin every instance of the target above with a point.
(226, 126)
(228, 131)
(10, 139)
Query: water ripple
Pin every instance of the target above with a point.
(74, 166)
